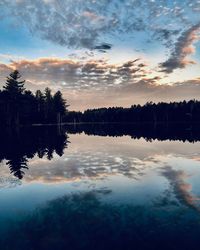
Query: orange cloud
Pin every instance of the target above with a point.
(183, 48)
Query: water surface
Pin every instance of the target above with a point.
(73, 188)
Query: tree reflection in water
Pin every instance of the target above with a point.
(18, 146)
(83, 221)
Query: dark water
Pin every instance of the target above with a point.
(100, 187)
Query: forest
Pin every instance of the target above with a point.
(181, 112)
(19, 106)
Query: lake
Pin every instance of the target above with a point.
(100, 187)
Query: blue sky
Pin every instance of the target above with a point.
(98, 52)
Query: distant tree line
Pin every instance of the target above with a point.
(21, 106)
(185, 111)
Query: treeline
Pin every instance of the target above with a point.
(20, 106)
(185, 111)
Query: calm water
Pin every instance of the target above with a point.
(65, 190)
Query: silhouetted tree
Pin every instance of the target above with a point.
(48, 104)
(40, 100)
(21, 106)
(13, 92)
(13, 86)
(59, 106)
(149, 113)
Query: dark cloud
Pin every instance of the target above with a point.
(183, 48)
(103, 47)
(166, 36)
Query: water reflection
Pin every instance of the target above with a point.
(84, 221)
(148, 131)
(18, 146)
(99, 192)
(180, 188)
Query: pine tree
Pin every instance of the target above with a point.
(40, 102)
(13, 86)
(14, 89)
(48, 104)
(40, 99)
(60, 106)
(59, 103)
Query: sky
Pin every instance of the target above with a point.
(103, 53)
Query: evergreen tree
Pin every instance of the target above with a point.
(40, 100)
(59, 103)
(59, 106)
(13, 89)
(48, 104)
(13, 86)
(20, 106)
(48, 95)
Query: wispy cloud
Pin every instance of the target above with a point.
(183, 48)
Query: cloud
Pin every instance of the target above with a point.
(103, 47)
(183, 48)
(85, 24)
(166, 36)
(10, 57)
(97, 83)
(149, 89)
(72, 74)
